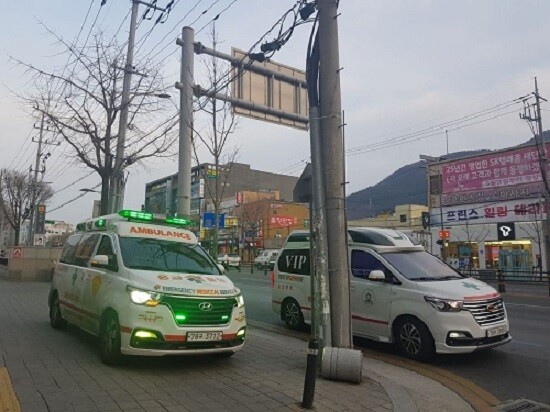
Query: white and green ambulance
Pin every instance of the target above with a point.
(144, 286)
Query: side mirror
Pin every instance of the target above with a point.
(221, 267)
(99, 261)
(377, 276)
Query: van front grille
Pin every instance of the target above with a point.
(199, 311)
(486, 312)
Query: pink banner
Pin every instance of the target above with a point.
(520, 166)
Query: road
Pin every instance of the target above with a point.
(520, 369)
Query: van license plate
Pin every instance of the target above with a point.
(499, 330)
(203, 336)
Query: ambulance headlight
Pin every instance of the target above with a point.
(444, 305)
(240, 301)
(144, 297)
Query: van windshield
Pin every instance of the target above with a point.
(167, 256)
(421, 266)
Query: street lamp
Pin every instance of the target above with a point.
(151, 94)
(89, 190)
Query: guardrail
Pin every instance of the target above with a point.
(534, 276)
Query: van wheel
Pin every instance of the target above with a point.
(413, 339)
(292, 314)
(56, 320)
(109, 339)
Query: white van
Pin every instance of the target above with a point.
(399, 293)
(145, 287)
(265, 257)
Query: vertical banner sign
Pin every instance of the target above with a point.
(40, 221)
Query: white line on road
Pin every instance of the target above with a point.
(526, 305)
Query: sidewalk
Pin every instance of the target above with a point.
(60, 371)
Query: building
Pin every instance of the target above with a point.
(161, 194)
(57, 232)
(266, 223)
(490, 209)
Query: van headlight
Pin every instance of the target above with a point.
(240, 301)
(144, 297)
(444, 305)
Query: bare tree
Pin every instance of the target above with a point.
(16, 190)
(251, 217)
(82, 105)
(215, 138)
(472, 235)
(533, 229)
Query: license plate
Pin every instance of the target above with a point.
(203, 336)
(499, 330)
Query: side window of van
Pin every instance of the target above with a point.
(69, 249)
(85, 249)
(106, 248)
(295, 261)
(362, 263)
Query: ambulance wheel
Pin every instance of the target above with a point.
(109, 339)
(292, 314)
(56, 320)
(413, 339)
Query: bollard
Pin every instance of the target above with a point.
(311, 373)
(342, 364)
(265, 270)
(251, 268)
(501, 284)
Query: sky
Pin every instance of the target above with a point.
(410, 70)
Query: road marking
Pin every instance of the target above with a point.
(527, 343)
(8, 399)
(526, 305)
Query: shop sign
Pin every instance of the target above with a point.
(493, 170)
(282, 220)
(513, 210)
(492, 195)
(506, 231)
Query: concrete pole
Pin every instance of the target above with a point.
(117, 181)
(544, 175)
(333, 161)
(30, 241)
(186, 121)
(320, 281)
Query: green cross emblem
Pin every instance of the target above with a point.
(470, 285)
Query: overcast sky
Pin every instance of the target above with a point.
(409, 68)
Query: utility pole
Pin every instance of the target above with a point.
(544, 175)
(333, 160)
(117, 181)
(116, 197)
(185, 85)
(447, 139)
(30, 241)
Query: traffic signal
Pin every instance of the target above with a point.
(425, 220)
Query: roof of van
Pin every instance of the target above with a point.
(379, 239)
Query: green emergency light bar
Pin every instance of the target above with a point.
(134, 214)
(149, 217)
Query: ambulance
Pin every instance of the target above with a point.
(399, 294)
(144, 286)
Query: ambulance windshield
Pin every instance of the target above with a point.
(167, 256)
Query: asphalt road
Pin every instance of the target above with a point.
(520, 369)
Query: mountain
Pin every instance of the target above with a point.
(407, 184)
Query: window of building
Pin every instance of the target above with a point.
(402, 218)
(435, 184)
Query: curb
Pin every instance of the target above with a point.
(480, 399)
(8, 399)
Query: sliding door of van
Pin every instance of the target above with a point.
(370, 300)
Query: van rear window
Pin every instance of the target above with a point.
(295, 261)
(298, 237)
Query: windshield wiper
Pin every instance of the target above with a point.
(424, 278)
(448, 277)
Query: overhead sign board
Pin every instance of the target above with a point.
(209, 218)
(284, 92)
